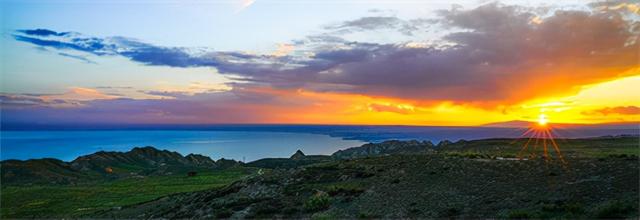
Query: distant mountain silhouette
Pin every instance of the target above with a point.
(510, 124)
(525, 124)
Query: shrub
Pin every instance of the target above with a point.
(520, 214)
(450, 212)
(224, 213)
(268, 208)
(290, 210)
(559, 209)
(322, 216)
(615, 209)
(363, 214)
(344, 190)
(318, 202)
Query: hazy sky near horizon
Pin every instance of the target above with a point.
(319, 62)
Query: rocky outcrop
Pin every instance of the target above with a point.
(444, 143)
(298, 155)
(226, 163)
(298, 159)
(385, 148)
(200, 160)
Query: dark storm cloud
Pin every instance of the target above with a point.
(494, 53)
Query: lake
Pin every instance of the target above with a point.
(245, 142)
(238, 145)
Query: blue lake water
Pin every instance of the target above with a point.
(67, 145)
(246, 142)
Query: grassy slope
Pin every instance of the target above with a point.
(417, 186)
(597, 181)
(590, 147)
(59, 201)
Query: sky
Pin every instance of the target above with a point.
(452, 63)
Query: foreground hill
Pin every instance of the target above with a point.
(404, 186)
(411, 179)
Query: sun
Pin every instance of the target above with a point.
(542, 120)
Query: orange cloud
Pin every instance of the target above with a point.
(283, 50)
(79, 94)
(620, 110)
(398, 108)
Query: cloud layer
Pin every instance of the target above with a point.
(491, 55)
(503, 53)
(620, 110)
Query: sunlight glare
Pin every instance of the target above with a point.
(542, 120)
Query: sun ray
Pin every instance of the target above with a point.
(544, 145)
(537, 136)
(529, 130)
(525, 147)
(540, 134)
(555, 146)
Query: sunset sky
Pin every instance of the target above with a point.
(319, 62)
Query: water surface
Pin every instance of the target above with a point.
(247, 142)
(239, 145)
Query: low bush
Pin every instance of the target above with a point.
(318, 202)
(224, 213)
(615, 209)
(345, 190)
(520, 214)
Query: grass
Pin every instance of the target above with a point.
(318, 202)
(616, 210)
(612, 209)
(69, 201)
(589, 147)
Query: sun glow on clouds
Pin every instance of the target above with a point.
(577, 108)
(283, 50)
(337, 108)
(310, 107)
(302, 106)
(79, 94)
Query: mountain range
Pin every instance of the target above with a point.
(140, 161)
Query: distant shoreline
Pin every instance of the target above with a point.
(344, 138)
